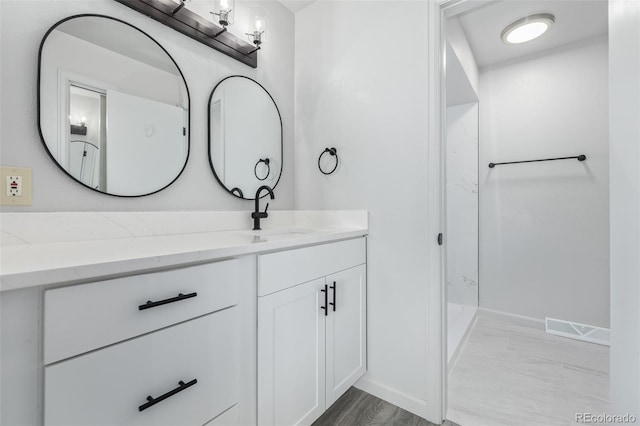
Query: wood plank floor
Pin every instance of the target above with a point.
(510, 374)
(358, 408)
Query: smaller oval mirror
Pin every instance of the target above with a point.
(245, 136)
(113, 106)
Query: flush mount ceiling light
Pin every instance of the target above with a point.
(527, 29)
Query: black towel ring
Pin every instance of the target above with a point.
(239, 191)
(255, 168)
(332, 152)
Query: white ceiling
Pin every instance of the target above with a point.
(296, 5)
(119, 38)
(575, 20)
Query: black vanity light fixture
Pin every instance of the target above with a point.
(257, 26)
(79, 129)
(174, 14)
(225, 11)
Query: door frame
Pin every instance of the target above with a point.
(436, 386)
(438, 12)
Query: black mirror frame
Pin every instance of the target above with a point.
(231, 191)
(92, 15)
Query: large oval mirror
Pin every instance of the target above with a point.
(113, 106)
(245, 136)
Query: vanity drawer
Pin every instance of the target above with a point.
(108, 387)
(85, 317)
(284, 269)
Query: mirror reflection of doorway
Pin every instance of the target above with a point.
(87, 135)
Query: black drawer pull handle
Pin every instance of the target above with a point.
(178, 298)
(333, 287)
(151, 401)
(326, 300)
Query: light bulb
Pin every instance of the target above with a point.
(257, 25)
(225, 11)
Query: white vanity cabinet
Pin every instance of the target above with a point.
(151, 349)
(164, 330)
(311, 329)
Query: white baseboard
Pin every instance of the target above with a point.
(457, 334)
(393, 396)
(513, 318)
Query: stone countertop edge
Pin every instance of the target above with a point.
(67, 263)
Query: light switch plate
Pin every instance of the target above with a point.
(22, 177)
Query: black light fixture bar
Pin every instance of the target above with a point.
(577, 157)
(198, 28)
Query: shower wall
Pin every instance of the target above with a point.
(462, 204)
(544, 250)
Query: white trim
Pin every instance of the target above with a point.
(393, 396)
(513, 318)
(436, 377)
(62, 153)
(436, 286)
(458, 7)
(65, 79)
(458, 332)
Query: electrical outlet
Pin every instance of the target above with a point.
(14, 186)
(17, 181)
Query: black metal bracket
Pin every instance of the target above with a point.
(178, 298)
(198, 28)
(581, 157)
(332, 152)
(266, 161)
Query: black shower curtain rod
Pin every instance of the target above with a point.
(577, 157)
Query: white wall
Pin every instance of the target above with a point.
(460, 45)
(365, 93)
(544, 227)
(624, 80)
(202, 67)
(462, 204)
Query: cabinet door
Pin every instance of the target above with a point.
(291, 355)
(346, 331)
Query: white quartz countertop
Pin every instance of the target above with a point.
(80, 248)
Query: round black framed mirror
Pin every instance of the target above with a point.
(113, 106)
(245, 136)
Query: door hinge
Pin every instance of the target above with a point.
(440, 239)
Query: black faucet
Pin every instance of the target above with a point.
(257, 215)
